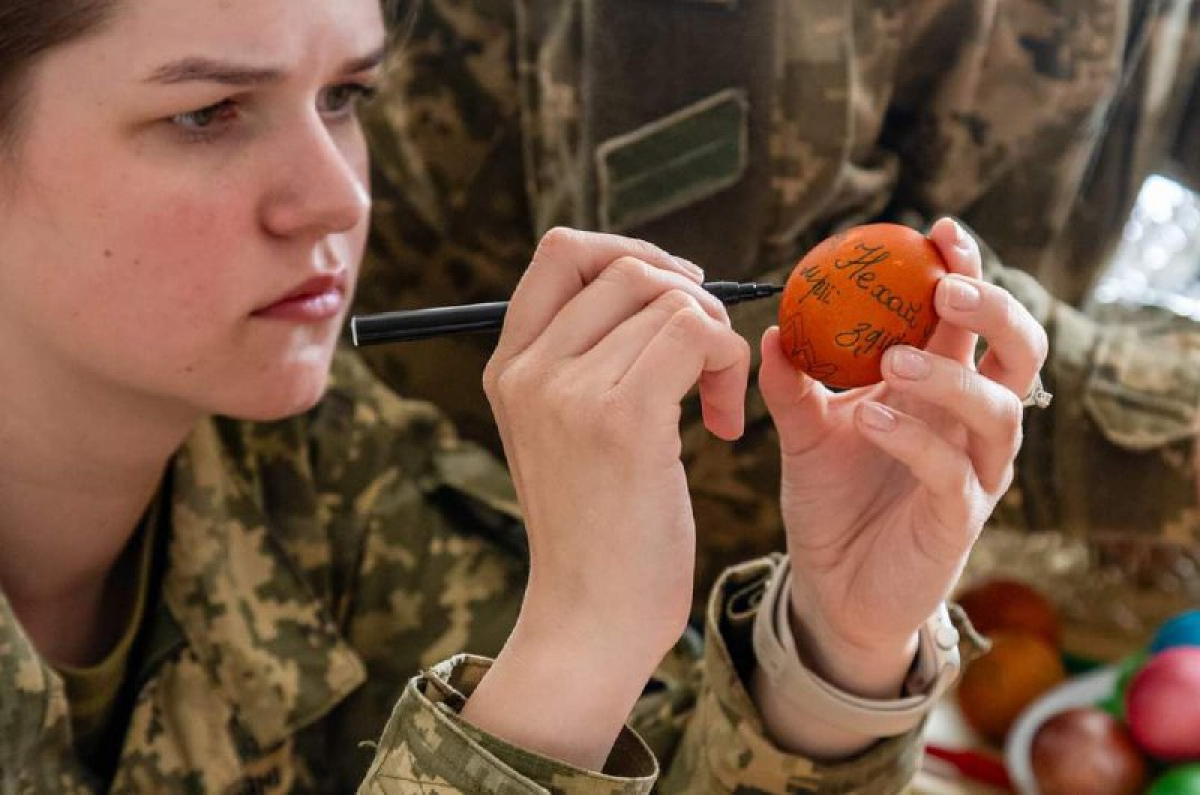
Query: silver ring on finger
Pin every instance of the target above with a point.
(1037, 397)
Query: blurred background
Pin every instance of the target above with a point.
(1157, 263)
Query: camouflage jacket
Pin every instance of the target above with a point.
(738, 134)
(315, 572)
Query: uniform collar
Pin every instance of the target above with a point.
(270, 644)
(33, 704)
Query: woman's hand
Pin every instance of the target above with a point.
(603, 338)
(886, 487)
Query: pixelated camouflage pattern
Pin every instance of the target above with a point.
(304, 557)
(426, 745)
(34, 722)
(1034, 122)
(724, 749)
(451, 220)
(723, 746)
(312, 568)
(1115, 461)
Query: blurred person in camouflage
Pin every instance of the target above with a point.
(1035, 123)
(230, 557)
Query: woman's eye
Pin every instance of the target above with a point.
(205, 122)
(345, 99)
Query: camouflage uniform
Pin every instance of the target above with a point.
(320, 571)
(739, 134)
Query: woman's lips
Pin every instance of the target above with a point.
(316, 300)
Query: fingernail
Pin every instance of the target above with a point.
(961, 294)
(962, 239)
(877, 417)
(691, 268)
(909, 364)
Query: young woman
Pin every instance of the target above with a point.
(221, 566)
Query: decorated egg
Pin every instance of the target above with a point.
(1162, 705)
(1085, 749)
(1182, 780)
(1182, 630)
(996, 688)
(855, 295)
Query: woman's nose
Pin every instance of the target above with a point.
(321, 186)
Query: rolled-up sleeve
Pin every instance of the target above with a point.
(726, 748)
(707, 731)
(428, 747)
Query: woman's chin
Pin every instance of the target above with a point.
(273, 398)
(275, 410)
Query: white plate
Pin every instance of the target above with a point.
(1084, 690)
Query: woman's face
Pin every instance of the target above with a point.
(183, 216)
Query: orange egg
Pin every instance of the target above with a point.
(996, 688)
(855, 295)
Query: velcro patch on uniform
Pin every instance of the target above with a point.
(673, 161)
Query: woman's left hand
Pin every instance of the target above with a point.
(886, 487)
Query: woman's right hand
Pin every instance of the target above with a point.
(604, 337)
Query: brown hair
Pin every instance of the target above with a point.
(28, 28)
(400, 16)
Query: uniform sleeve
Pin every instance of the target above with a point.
(725, 746)
(427, 744)
(429, 527)
(696, 716)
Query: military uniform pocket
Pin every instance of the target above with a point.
(1142, 395)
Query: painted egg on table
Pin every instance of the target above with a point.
(1182, 630)
(995, 689)
(1162, 705)
(1085, 749)
(1182, 780)
(855, 295)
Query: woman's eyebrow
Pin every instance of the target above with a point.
(207, 70)
(367, 62)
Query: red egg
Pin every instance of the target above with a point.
(854, 296)
(1162, 705)
(1086, 750)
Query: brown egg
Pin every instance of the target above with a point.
(995, 688)
(1004, 604)
(1086, 750)
(854, 296)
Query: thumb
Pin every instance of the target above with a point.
(798, 404)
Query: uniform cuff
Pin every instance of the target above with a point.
(736, 731)
(426, 741)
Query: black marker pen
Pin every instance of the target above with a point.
(419, 324)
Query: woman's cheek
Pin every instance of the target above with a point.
(186, 255)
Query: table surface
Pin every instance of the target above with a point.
(948, 729)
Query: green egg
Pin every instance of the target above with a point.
(1114, 704)
(1182, 780)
